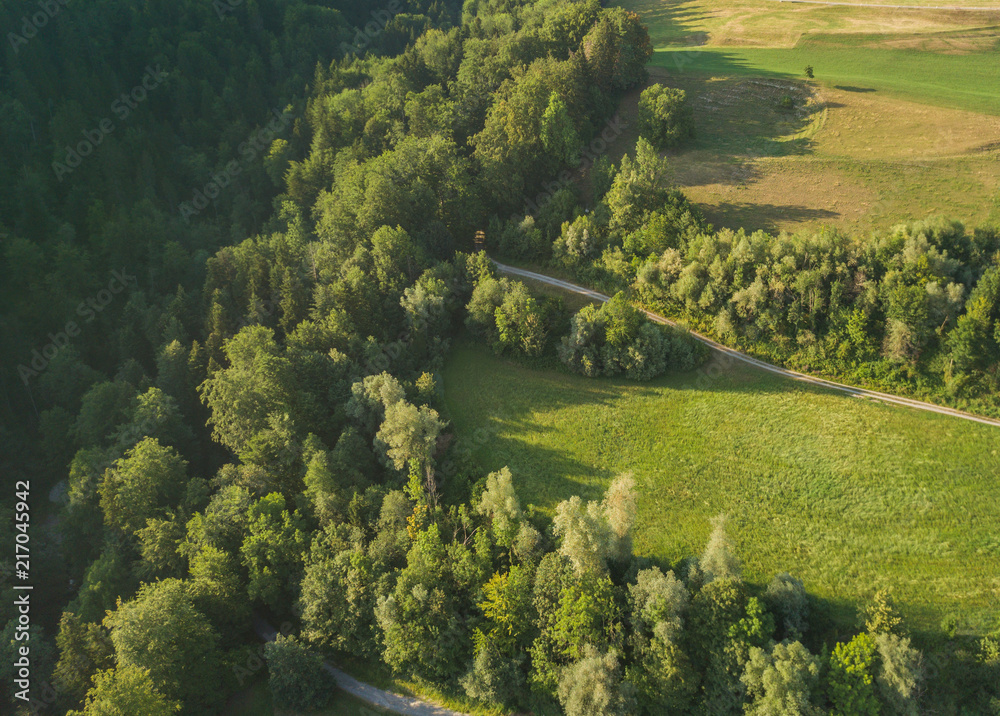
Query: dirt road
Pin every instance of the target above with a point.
(744, 358)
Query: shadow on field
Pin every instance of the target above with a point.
(848, 88)
(763, 217)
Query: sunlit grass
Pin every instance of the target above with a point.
(846, 494)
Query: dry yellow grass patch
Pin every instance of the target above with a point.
(862, 125)
(768, 23)
(854, 160)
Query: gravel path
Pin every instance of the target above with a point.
(744, 358)
(406, 705)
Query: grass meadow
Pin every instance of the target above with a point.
(902, 120)
(957, 81)
(846, 494)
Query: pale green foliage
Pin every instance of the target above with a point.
(124, 691)
(526, 541)
(495, 679)
(662, 672)
(371, 397)
(585, 535)
(719, 561)
(620, 511)
(881, 615)
(499, 502)
(595, 532)
(409, 433)
(786, 599)
(900, 673)
(658, 603)
(593, 686)
(783, 682)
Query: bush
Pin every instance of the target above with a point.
(504, 313)
(297, 676)
(617, 338)
(851, 683)
(664, 118)
(593, 686)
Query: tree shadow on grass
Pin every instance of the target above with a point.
(764, 217)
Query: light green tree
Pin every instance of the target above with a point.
(594, 686)
(141, 485)
(126, 690)
(160, 632)
(851, 681)
(559, 136)
(664, 117)
(782, 682)
(409, 433)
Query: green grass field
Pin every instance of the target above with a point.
(847, 495)
(901, 123)
(968, 81)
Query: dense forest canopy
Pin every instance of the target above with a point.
(235, 253)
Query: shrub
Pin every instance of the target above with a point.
(851, 680)
(297, 676)
(664, 117)
(505, 314)
(593, 686)
(617, 338)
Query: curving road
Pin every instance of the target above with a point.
(750, 360)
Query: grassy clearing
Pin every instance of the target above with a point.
(901, 123)
(966, 81)
(767, 23)
(848, 495)
(855, 160)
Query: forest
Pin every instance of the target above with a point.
(236, 251)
